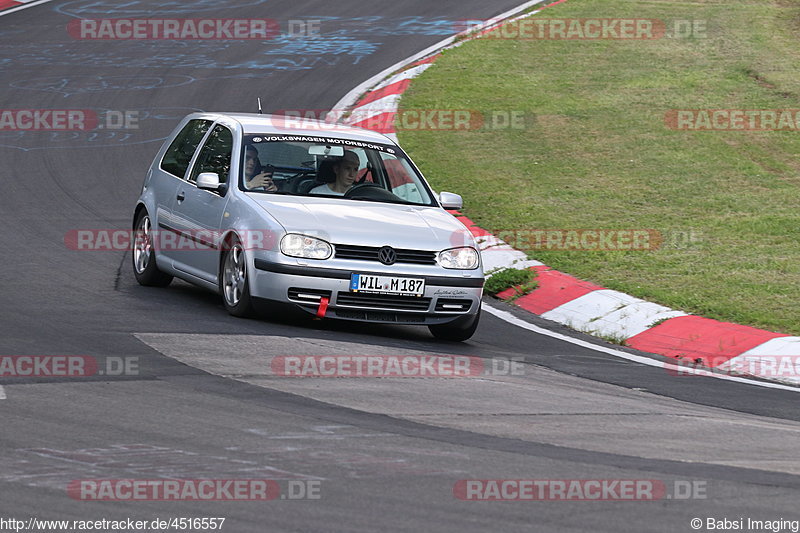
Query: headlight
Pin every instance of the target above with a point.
(465, 258)
(296, 245)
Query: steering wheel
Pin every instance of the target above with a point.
(352, 191)
(301, 173)
(293, 182)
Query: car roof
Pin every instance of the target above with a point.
(253, 123)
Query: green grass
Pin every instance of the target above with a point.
(595, 151)
(523, 282)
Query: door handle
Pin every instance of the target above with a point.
(181, 196)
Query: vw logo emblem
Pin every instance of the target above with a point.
(387, 255)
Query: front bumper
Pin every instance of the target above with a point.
(446, 298)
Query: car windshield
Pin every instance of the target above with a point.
(323, 166)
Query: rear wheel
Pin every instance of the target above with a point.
(457, 330)
(144, 260)
(233, 280)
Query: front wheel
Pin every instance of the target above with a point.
(144, 261)
(233, 281)
(457, 330)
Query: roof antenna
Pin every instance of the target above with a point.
(259, 106)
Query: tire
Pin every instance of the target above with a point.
(143, 257)
(233, 283)
(458, 330)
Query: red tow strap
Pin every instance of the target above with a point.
(323, 307)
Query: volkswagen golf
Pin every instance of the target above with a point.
(331, 220)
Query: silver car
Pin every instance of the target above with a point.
(331, 220)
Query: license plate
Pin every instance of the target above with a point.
(368, 283)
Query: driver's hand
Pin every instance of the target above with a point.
(263, 180)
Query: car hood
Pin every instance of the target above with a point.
(341, 221)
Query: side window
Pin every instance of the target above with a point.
(401, 181)
(179, 154)
(215, 156)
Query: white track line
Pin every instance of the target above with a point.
(23, 6)
(2, 393)
(511, 319)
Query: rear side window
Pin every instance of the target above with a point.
(215, 156)
(179, 154)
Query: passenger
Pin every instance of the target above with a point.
(346, 172)
(254, 178)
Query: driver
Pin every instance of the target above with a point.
(346, 171)
(254, 178)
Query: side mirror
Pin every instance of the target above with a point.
(209, 181)
(451, 200)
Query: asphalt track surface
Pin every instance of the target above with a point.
(386, 452)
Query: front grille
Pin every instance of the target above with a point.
(453, 305)
(370, 253)
(382, 301)
(309, 296)
(377, 316)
